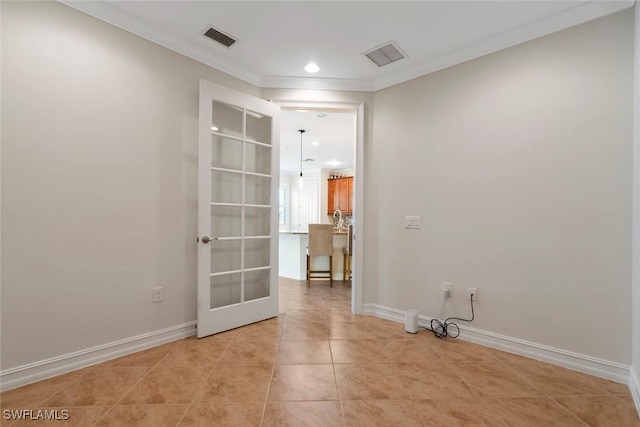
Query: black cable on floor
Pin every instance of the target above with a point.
(447, 328)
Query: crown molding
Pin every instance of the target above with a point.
(573, 16)
(277, 82)
(562, 20)
(104, 11)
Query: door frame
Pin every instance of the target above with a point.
(357, 287)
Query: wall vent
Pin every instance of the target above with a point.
(220, 37)
(385, 54)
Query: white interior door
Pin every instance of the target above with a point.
(238, 172)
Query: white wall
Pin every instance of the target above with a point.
(99, 168)
(635, 364)
(519, 163)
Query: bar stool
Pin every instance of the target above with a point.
(320, 244)
(347, 252)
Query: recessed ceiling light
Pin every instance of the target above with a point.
(213, 128)
(321, 115)
(311, 67)
(315, 143)
(334, 162)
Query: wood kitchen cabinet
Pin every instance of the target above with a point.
(340, 195)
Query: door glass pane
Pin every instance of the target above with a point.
(225, 290)
(256, 252)
(226, 153)
(257, 190)
(257, 221)
(227, 119)
(258, 158)
(226, 187)
(226, 221)
(258, 127)
(225, 255)
(256, 284)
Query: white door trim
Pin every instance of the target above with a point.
(358, 234)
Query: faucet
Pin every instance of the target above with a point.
(340, 220)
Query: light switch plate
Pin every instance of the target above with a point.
(412, 222)
(158, 294)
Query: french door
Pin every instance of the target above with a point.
(238, 173)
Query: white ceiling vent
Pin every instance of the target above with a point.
(385, 54)
(220, 37)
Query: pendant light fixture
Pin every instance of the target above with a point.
(301, 180)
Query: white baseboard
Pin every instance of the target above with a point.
(634, 387)
(26, 374)
(567, 359)
(32, 372)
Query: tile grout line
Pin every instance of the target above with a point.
(112, 407)
(273, 369)
(567, 410)
(526, 380)
(335, 378)
(41, 404)
(333, 364)
(195, 396)
(530, 383)
(204, 383)
(63, 387)
(544, 394)
(449, 365)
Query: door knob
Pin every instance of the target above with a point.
(205, 239)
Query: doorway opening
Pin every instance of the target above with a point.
(312, 163)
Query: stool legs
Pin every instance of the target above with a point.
(331, 270)
(309, 271)
(346, 267)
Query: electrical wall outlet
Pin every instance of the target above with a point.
(447, 289)
(158, 294)
(412, 222)
(473, 294)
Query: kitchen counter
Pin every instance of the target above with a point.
(292, 261)
(335, 231)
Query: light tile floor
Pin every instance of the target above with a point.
(319, 365)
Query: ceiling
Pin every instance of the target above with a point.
(335, 134)
(276, 39)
